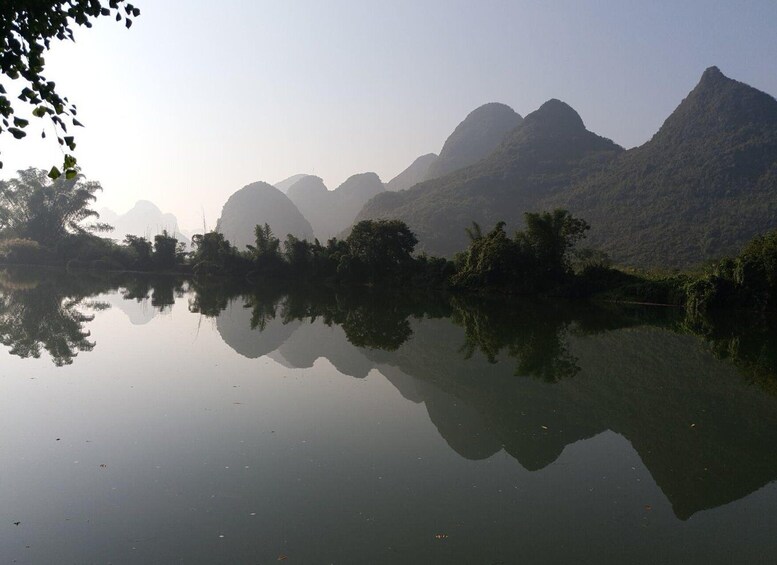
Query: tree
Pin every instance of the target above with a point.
(27, 28)
(383, 246)
(552, 235)
(535, 259)
(267, 245)
(211, 248)
(141, 248)
(266, 254)
(298, 253)
(165, 250)
(35, 207)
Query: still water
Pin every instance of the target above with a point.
(164, 421)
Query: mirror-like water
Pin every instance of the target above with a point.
(155, 420)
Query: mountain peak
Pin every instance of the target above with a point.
(712, 79)
(718, 105)
(555, 114)
(490, 109)
(256, 204)
(285, 184)
(362, 181)
(309, 186)
(146, 206)
(712, 73)
(475, 138)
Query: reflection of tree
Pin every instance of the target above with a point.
(136, 289)
(534, 336)
(47, 310)
(376, 328)
(211, 296)
(532, 333)
(747, 341)
(371, 320)
(43, 318)
(163, 289)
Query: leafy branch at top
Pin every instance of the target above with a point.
(26, 31)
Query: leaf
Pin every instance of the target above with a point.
(54, 173)
(70, 174)
(17, 133)
(20, 122)
(39, 112)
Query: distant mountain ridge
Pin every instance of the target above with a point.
(414, 174)
(700, 188)
(475, 138)
(285, 184)
(256, 204)
(704, 185)
(144, 219)
(541, 156)
(332, 211)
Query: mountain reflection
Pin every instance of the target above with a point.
(696, 397)
(531, 379)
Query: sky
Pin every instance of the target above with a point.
(200, 98)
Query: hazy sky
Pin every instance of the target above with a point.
(202, 97)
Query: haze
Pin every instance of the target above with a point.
(200, 98)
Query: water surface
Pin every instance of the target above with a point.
(159, 420)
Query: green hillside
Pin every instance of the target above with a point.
(541, 157)
(703, 186)
(700, 189)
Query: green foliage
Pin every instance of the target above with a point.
(142, 248)
(551, 235)
(165, 251)
(214, 254)
(32, 206)
(587, 258)
(22, 251)
(536, 259)
(267, 245)
(698, 190)
(26, 32)
(383, 248)
(747, 281)
(266, 255)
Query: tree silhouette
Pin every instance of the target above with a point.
(32, 206)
